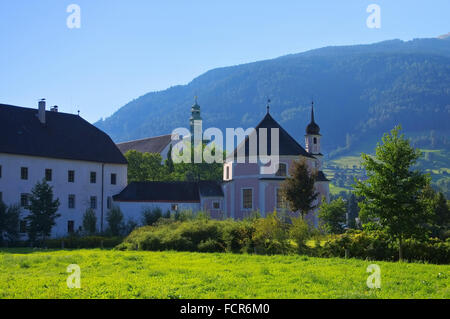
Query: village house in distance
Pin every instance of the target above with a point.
(87, 170)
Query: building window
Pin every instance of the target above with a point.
(24, 173)
(247, 198)
(216, 205)
(93, 202)
(71, 176)
(71, 201)
(70, 226)
(109, 202)
(174, 207)
(93, 177)
(281, 203)
(23, 226)
(228, 172)
(48, 175)
(282, 170)
(113, 179)
(315, 140)
(23, 200)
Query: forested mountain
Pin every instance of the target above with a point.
(359, 92)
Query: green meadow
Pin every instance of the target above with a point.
(25, 273)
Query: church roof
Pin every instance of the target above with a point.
(147, 145)
(63, 136)
(287, 144)
(321, 177)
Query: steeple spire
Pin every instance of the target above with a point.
(312, 128)
(268, 106)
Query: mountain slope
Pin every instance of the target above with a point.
(359, 91)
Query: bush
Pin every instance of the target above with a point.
(376, 245)
(151, 216)
(299, 232)
(271, 236)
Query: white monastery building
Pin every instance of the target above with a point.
(81, 162)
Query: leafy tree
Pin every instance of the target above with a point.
(144, 166)
(332, 216)
(440, 222)
(352, 211)
(9, 222)
(442, 212)
(114, 217)
(298, 189)
(90, 221)
(136, 166)
(392, 192)
(43, 211)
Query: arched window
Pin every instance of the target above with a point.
(282, 170)
(315, 140)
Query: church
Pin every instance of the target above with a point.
(245, 187)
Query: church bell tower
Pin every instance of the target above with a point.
(312, 138)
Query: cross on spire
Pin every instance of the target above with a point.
(268, 105)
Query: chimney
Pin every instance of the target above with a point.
(54, 109)
(41, 111)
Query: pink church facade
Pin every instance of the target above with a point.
(248, 188)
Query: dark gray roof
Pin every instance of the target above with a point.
(321, 177)
(147, 145)
(287, 144)
(63, 136)
(210, 189)
(169, 191)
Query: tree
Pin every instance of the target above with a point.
(144, 166)
(332, 215)
(90, 222)
(114, 217)
(43, 211)
(136, 167)
(440, 221)
(352, 211)
(151, 216)
(392, 192)
(298, 189)
(9, 222)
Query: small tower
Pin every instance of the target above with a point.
(312, 138)
(196, 121)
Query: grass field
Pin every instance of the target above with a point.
(116, 274)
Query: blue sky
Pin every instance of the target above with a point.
(125, 49)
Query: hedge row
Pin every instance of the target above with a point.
(271, 236)
(77, 242)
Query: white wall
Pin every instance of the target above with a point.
(133, 210)
(12, 186)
